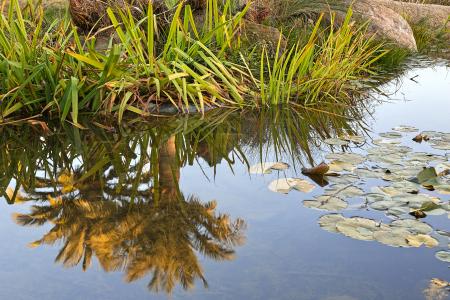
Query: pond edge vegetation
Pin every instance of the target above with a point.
(48, 68)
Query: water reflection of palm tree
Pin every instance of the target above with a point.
(160, 236)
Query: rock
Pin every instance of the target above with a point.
(386, 24)
(388, 20)
(91, 14)
(435, 16)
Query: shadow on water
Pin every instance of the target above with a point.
(113, 193)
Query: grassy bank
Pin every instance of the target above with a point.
(48, 68)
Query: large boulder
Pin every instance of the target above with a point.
(388, 19)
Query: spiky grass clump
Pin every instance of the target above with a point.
(328, 66)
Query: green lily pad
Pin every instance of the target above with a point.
(426, 175)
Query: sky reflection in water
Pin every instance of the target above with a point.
(130, 221)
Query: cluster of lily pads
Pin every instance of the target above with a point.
(389, 177)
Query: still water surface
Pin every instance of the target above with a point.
(170, 209)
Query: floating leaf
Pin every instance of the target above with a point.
(330, 203)
(442, 169)
(285, 185)
(441, 145)
(267, 167)
(352, 158)
(443, 255)
(443, 189)
(359, 228)
(422, 239)
(374, 197)
(339, 166)
(357, 139)
(344, 179)
(405, 128)
(413, 226)
(384, 204)
(398, 210)
(328, 222)
(344, 191)
(391, 135)
(369, 173)
(336, 142)
(393, 237)
(386, 141)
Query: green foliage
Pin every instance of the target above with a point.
(47, 67)
(328, 66)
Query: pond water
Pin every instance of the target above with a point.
(177, 209)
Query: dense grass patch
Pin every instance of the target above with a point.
(47, 67)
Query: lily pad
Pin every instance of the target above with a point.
(339, 166)
(386, 141)
(443, 255)
(441, 145)
(375, 197)
(393, 237)
(267, 167)
(359, 228)
(344, 191)
(353, 158)
(330, 203)
(384, 204)
(357, 139)
(336, 142)
(398, 210)
(391, 135)
(413, 226)
(418, 240)
(285, 185)
(369, 173)
(405, 128)
(328, 222)
(443, 189)
(343, 179)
